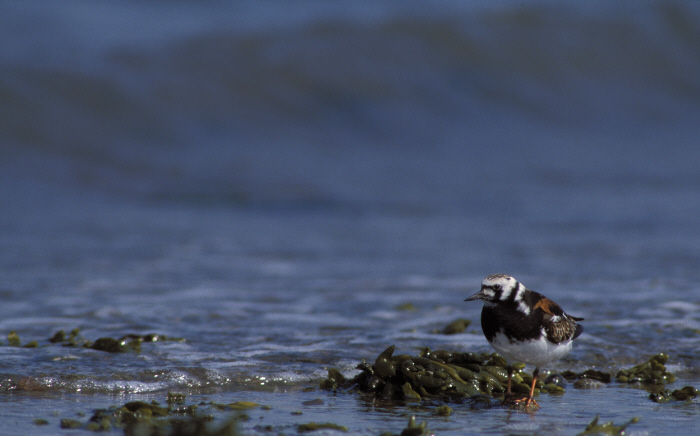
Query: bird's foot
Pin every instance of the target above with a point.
(515, 400)
(531, 403)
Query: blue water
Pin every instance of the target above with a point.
(273, 182)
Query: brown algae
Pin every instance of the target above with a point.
(412, 429)
(480, 377)
(684, 394)
(139, 417)
(653, 371)
(431, 375)
(130, 343)
(593, 428)
(456, 326)
(313, 426)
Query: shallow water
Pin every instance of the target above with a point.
(289, 191)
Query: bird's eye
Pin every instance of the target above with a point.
(496, 287)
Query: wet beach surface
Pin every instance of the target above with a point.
(274, 199)
(304, 311)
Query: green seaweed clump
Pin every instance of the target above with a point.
(127, 343)
(432, 375)
(313, 426)
(652, 371)
(140, 417)
(413, 429)
(683, 394)
(238, 405)
(112, 345)
(443, 410)
(73, 340)
(593, 428)
(13, 341)
(334, 381)
(130, 343)
(175, 398)
(457, 326)
(70, 423)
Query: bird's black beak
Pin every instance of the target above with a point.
(478, 296)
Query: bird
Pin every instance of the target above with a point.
(524, 326)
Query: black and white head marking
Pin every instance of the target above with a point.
(504, 288)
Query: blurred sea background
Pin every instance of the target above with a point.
(275, 182)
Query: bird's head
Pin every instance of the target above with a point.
(494, 288)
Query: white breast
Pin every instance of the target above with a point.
(537, 352)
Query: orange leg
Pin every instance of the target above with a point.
(531, 400)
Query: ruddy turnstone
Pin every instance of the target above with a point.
(524, 326)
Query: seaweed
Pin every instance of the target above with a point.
(412, 429)
(140, 417)
(456, 326)
(440, 374)
(175, 398)
(238, 405)
(129, 343)
(70, 423)
(443, 410)
(112, 345)
(593, 428)
(13, 339)
(590, 378)
(684, 394)
(313, 426)
(653, 371)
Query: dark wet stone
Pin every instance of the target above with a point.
(588, 383)
(604, 377)
(557, 380)
(569, 375)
